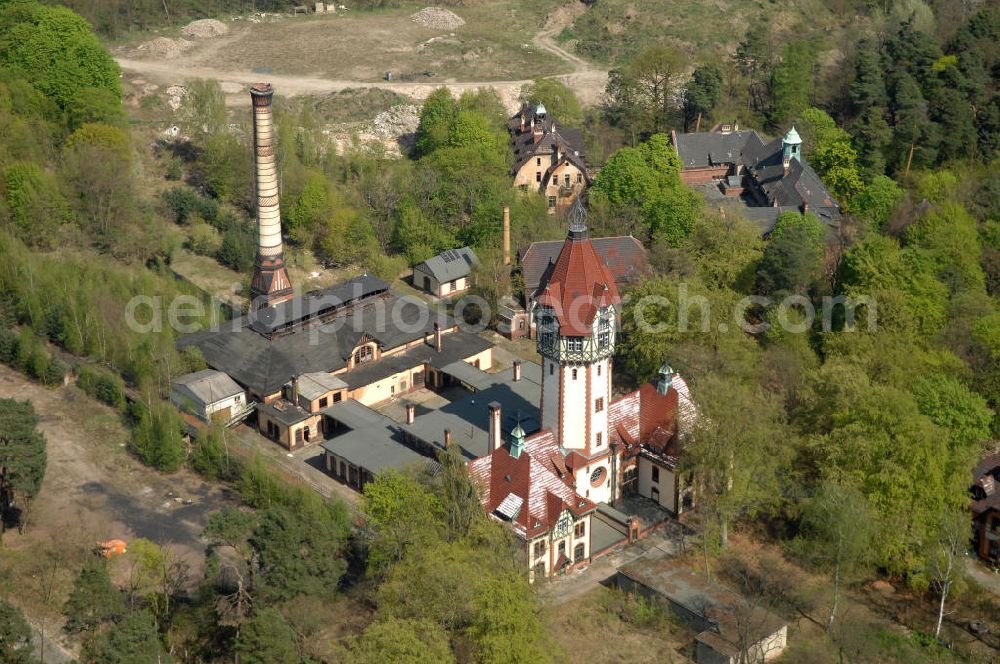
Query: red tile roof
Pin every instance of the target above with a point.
(532, 478)
(647, 418)
(578, 286)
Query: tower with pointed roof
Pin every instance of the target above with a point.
(791, 147)
(577, 315)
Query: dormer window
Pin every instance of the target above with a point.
(364, 354)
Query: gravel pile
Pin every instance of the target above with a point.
(175, 96)
(164, 47)
(397, 121)
(205, 28)
(437, 18)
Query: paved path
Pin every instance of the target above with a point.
(983, 575)
(562, 589)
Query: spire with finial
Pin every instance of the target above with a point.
(517, 436)
(578, 219)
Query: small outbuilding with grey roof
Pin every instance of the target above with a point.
(446, 274)
(209, 395)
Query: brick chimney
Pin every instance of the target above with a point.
(517, 370)
(411, 413)
(496, 437)
(447, 438)
(437, 336)
(506, 235)
(270, 284)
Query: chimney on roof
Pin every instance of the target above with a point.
(517, 370)
(295, 390)
(447, 438)
(506, 235)
(537, 131)
(522, 119)
(411, 413)
(437, 336)
(496, 437)
(805, 206)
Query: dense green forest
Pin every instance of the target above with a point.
(849, 437)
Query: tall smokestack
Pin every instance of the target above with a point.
(506, 235)
(270, 285)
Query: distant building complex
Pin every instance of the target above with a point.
(765, 178)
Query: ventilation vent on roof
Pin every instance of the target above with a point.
(506, 478)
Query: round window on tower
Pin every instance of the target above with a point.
(597, 477)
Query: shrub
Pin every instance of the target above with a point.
(158, 437)
(106, 387)
(210, 457)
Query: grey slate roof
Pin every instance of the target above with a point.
(800, 186)
(317, 304)
(468, 418)
(315, 384)
(284, 412)
(623, 255)
(375, 453)
(524, 148)
(455, 346)
(373, 442)
(206, 386)
(265, 364)
(704, 149)
(449, 265)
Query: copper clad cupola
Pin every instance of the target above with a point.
(270, 285)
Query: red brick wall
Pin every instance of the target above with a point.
(703, 175)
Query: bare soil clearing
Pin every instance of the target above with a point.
(94, 490)
(324, 54)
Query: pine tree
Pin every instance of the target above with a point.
(94, 598)
(15, 636)
(22, 454)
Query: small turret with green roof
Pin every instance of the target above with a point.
(517, 441)
(791, 147)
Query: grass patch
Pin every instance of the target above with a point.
(630, 631)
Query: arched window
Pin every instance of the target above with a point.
(364, 354)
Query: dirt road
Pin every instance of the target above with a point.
(586, 80)
(588, 84)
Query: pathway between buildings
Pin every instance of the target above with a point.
(562, 589)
